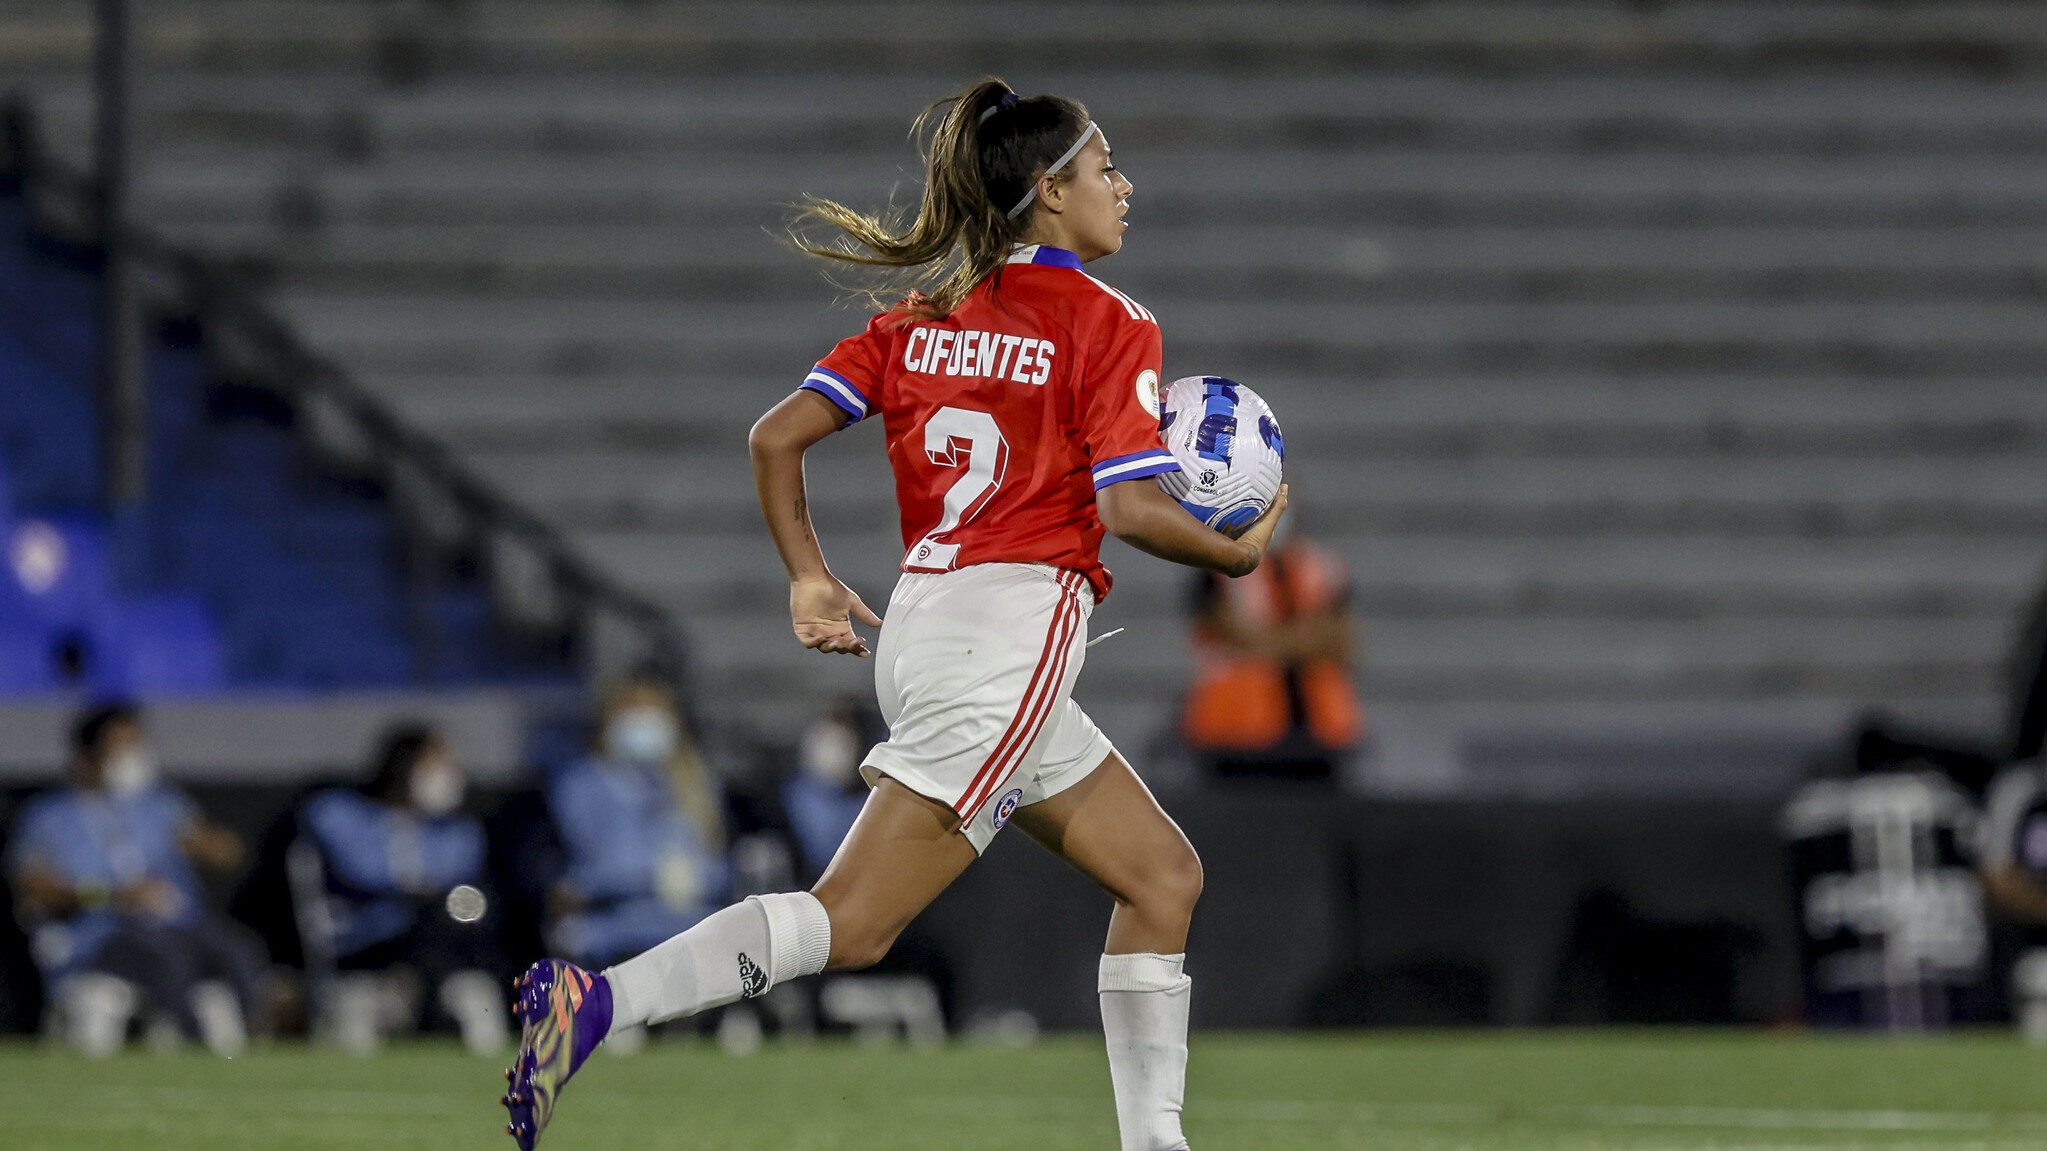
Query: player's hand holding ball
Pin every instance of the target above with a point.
(1259, 535)
(822, 610)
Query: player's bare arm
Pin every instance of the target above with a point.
(821, 609)
(1141, 514)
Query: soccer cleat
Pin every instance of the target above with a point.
(565, 1012)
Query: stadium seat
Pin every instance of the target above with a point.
(300, 562)
(26, 663)
(158, 646)
(61, 569)
(47, 430)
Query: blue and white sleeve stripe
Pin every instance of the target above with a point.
(838, 389)
(1134, 466)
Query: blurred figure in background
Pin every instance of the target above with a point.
(403, 867)
(643, 830)
(824, 794)
(2029, 684)
(822, 798)
(104, 878)
(1272, 695)
(2012, 860)
(2012, 856)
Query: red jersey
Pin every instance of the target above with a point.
(1005, 418)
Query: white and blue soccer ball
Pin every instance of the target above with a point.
(1230, 451)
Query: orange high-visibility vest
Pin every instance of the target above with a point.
(1239, 701)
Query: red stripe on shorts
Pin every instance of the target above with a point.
(1024, 730)
(1036, 708)
(1046, 659)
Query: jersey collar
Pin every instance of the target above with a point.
(1045, 254)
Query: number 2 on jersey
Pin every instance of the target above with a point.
(954, 437)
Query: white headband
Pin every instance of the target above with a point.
(1061, 162)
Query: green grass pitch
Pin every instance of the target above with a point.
(1433, 1092)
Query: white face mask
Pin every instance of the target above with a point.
(130, 772)
(829, 753)
(436, 788)
(640, 735)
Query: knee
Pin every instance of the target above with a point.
(1171, 885)
(1184, 880)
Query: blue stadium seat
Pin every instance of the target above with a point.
(61, 570)
(47, 429)
(465, 620)
(298, 567)
(158, 646)
(26, 666)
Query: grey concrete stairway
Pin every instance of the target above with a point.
(1672, 375)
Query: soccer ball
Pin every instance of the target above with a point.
(1229, 448)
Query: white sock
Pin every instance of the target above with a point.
(733, 954)
(1144, 1017)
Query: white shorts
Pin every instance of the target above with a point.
(974, 673)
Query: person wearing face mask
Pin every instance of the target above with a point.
(105, 875)
(642, 825)
(822, 798)
(404, 870)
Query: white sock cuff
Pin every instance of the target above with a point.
(624, 1012)
(799, 934)
(1143, 971)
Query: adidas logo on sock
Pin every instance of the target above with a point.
(752, 980)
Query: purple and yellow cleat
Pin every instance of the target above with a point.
(566, 1012)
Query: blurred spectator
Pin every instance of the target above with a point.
(642, 830)
(913, 987)
(825, 793)
(403, 865)
(1272, 694)
(2012, 859)
(104, 879)
(2029, 684)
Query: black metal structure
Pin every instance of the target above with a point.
(123, 379)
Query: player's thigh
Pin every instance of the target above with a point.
(901, 852)
(1111, 828)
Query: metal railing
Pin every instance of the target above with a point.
(542, 591)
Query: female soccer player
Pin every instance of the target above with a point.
(1019, 399)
